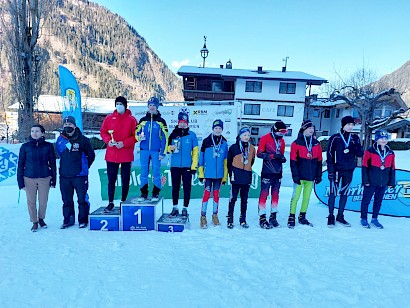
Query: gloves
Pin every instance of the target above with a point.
(201, 180)
(318, 180)
(193, 172)
(296, 181)
(223, 183)
(52, 183)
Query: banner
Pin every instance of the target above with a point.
(166, 191)
(71, 96)
(396, 200)
(8, 164)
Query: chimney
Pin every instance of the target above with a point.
(221, 66)
(260, 70)
(283, 69)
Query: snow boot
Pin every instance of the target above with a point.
(242, 221)
(83, 225)
(331, 221)
(376, 223)
(184, 212)
(34, 228)
(204, 223)
(42, 223)
(272, 220)
(142, 198)
(341, 220)
(229, 223)
(291, 221)
(155, 194)
(109, 207)
(364, 223)
(263, 223)
(174, 213)
(303, 221)
(215, 220)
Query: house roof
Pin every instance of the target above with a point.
(250, 74)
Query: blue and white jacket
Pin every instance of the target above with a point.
(187, 154)
(213, 166)
(155, 131)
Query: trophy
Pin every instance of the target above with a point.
(175, 142)
(111, 132)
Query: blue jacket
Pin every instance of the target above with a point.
(211, 166)
(76, 154)
(187, 155)
(155, 131)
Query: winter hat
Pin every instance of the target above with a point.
(154, 101)
(69, 119)
(347, 120)
(306, 124)
(182, 116)
(278, 126)
(122, 100)
(380, 133)
(218, 123)
(244, 130)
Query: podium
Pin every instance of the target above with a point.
(138, 216)
(100, 221)
(172, 224)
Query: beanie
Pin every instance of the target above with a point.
(154, 101)
(380, 133)
(218, 123)
(182, 116)
(347, 120)
(244, 130)
(278, 126)
(306, 124)
(69, 119)
(122, 100)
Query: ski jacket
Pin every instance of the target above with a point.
(213, 162)
(337, 159)
(122, 127)
(36, 160)
(304, 165)
(155, 131)
(187, 143)
(76, 154)
(271, 149)
(239, 172)
(374, 172)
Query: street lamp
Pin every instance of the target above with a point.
(204, 52)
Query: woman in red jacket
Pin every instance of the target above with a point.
(118, 132)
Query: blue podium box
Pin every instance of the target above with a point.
(100, 221)
(138, 216)
(172, 224)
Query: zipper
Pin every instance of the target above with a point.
(150, 134)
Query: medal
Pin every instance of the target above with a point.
(216, 146)
(346, 151)
(382, 167)
(382, 157)
(245, 162)
(308, 146)
(245, 154)
(309, 155)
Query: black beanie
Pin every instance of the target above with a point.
(347, 120)
(306, 124)
(278, 126)
(122, 100)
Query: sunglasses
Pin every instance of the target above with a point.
(283, 131)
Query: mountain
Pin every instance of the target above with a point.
(106, 54)
(400, 80)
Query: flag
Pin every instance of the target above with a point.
(71, 96)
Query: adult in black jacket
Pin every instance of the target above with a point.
(342, 151)
(36, 173)
(76, 156)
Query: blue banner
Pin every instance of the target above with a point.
(396, 200)
(71, 96)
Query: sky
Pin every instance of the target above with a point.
(323, 38)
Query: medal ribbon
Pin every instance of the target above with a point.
(344, 141)
(216, 147)
(382, 157)
(308, 146)
(277, 143)
(244, 153)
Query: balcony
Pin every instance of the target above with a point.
(195, 95)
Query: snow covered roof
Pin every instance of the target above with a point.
(251, 74)
(327, 103)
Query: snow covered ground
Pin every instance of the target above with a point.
(216, 267)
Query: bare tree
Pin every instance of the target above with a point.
(21, 20)
(363, 94)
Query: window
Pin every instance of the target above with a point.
(217, 86)
(387, 113)
(337, 113)
(287, 88)
(255, 131)
(316, 113)
(378, 113)
(289, 133)
(326, 114)
(325, 133)
(253, 86)
(252, 109)
(285, 111)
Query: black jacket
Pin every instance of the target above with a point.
(76, 154)
(36, 160)
(337, 159)
(239, 172)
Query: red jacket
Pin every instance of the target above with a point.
(123, 126)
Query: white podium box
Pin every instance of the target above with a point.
(172, 224)
(100, 221)
(138, 216)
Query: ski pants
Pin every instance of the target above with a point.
(145, 158)
(272, 182)
(243, 189)
(67, 187)
(213, 185)
(306, 186)
(344, 178)
(368, 192)
(112, 172)
(176, 175)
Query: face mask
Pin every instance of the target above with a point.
(68, 129)
(120, 108)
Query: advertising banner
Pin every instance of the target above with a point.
(396, 200)
(9, 155)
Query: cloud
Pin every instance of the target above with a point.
(178, 64)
